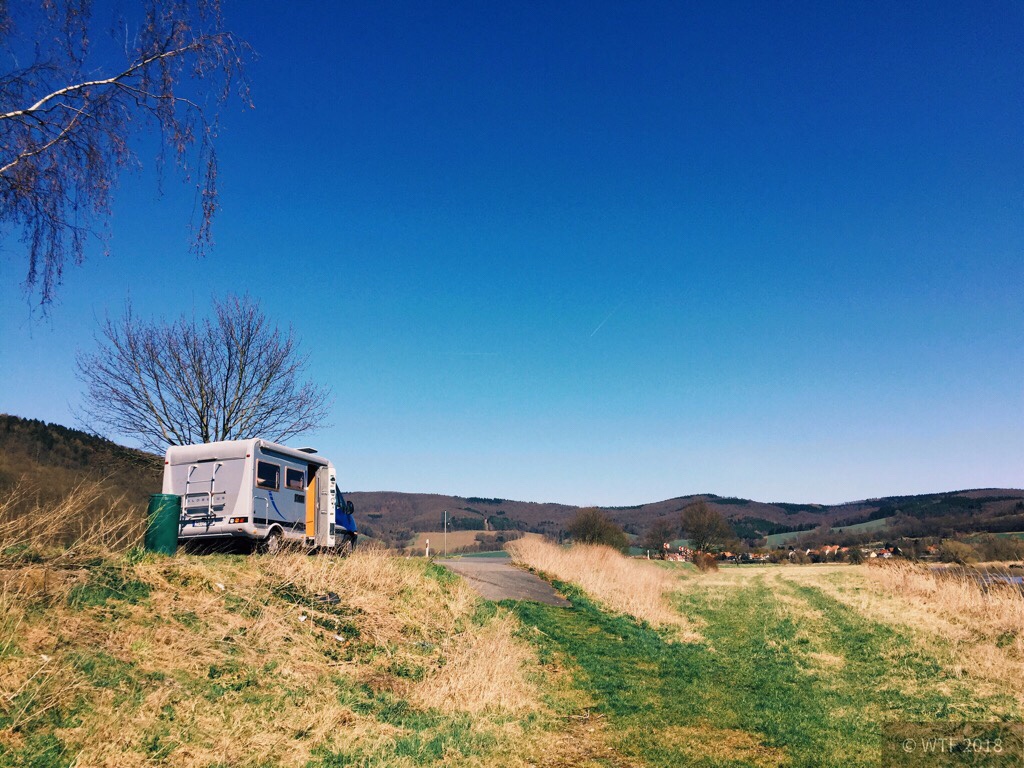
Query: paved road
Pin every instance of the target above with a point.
(498, 579)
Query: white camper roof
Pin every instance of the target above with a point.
(234, 449)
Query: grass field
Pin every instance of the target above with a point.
(113, 657)
(781, 539)
(791, 665)
(866, 527)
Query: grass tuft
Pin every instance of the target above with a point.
(637, 588)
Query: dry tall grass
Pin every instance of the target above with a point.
(992, 610)
(635, 587)
(242, 661)
(60, 531)
(972, 631)
(483, 670)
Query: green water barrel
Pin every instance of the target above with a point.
(162, 527)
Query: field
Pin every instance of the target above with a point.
(457, 540)
(870, 526)
(781, 665)
(113, 657)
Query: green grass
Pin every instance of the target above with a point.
(107, 582)
(754, 692)
(780, 539)
(869, 526)
(501, 554)
(1002, 535)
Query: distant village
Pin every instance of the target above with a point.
(829, 553)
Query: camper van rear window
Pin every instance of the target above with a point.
(294, 479)
(268, 475)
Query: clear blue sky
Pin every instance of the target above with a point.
(610, 253)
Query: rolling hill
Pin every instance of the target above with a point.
(53, 458)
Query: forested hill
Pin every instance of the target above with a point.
(50, 460)
(54, 459)
(392, 513)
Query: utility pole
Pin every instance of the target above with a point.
(446, 533)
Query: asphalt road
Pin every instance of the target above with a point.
(498, 579)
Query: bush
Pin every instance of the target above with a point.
(705, 562)
(591, 526)
(992, 547)
(952, 551)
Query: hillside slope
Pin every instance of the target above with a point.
(46, 461)
(120, 660)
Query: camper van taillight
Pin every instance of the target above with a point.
(234, 520)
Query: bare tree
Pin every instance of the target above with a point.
(660, 533)
(71, 101)
(228, 377)
(705, 527)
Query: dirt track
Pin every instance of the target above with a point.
(498, 579)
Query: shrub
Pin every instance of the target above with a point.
(952, 551)
(992, 547)
(591, 526)
(705, 562)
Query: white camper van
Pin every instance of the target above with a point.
(258, 490)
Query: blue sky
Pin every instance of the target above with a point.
(609, 253)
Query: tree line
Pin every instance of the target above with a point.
(703, 526)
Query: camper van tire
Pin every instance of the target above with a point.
(272, 544)
(344, 548)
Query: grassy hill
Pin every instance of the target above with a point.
(121, 659)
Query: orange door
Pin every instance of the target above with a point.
(311, 507)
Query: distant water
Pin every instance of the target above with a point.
(998, 578)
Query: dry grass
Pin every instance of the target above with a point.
(458, 541)
(245, 661)
(635, 587)
(980, 628)
(706, 742)
(483, 670)
(991, 612)
(59, 532)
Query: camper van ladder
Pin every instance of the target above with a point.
(207, 506)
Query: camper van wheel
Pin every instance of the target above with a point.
(272, 544)
(344, 548)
